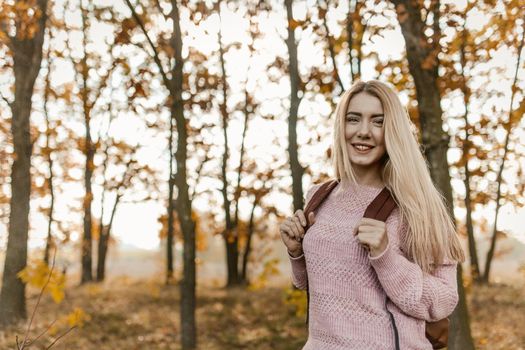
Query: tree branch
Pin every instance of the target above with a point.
(25, 342)
(157, 3)
(104, 80)
(6, 100)
(331, 50)
(165, 78)
(59, 337)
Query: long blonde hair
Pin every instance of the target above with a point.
(431, 238)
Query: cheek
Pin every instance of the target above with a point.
(346, 133)
(380, 137)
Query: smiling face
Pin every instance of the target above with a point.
(364, 133)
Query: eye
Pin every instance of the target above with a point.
(378, 121)
(352, 119)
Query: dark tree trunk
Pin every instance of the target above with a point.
(473, 253)
(27, 58)
(248, 248)
(103, 241)
(184, 211)
(460, 320)
(331, 49)
(296, 168)
(354, 60)
(49, 238)
(499, 179)
(238, 187)
(89, 152)
(434, 139)
(183, 201)
(170, 234)
(101, 227)
(231, 238)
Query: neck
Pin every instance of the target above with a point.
(369, 178)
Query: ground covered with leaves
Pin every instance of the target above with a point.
(144, 315)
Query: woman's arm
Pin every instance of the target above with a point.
(298, 271)
(419, 294)
(299, 278)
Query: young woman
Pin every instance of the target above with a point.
(360, 269)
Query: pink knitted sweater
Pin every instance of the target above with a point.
(348, 287)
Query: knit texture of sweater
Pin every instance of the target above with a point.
(350, 290)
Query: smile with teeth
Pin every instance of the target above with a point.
(362, 148)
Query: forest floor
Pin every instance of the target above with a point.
(128, 314)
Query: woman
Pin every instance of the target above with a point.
(360, 269)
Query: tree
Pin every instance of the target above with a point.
(422, 54)
(231, 238)
(119, 185)
(467, 62)
(174, 85)
(514, 118)
(295, 99)
(22, 26)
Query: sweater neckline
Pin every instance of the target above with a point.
(358, 187)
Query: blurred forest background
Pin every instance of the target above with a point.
(149, 149)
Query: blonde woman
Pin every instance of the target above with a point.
(362, 272)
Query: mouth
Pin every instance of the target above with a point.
(360, 148)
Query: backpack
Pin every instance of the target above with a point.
(379, 209)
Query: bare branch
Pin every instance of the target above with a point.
(199, 170)
(165, 78)
(6, 100)
(60, 336)
(157, 3)
(25, 342)
(104, 80)
(41, 334)
(331, 49)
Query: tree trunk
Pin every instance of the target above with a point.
(248, 248)
(238, 187)
(354, 60)
(49, 239)
(183, 201)
(231, 238)
(184, 211)
(457, 338)
(86, 251)
(170, 234)
(103, 241)
(473, 253)
(330, 44)
(508, 128)
(27, 58)
(296, 168)
(434, 139)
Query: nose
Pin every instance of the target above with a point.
(364, 129)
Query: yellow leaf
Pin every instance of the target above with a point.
(77, 317)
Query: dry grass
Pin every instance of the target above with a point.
(144, 315)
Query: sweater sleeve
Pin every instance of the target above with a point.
(299, 278)
(430, 297)
(298, 271)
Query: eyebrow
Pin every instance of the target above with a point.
(360, 114)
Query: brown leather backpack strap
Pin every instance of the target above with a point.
(381, 207)
(318, 197)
